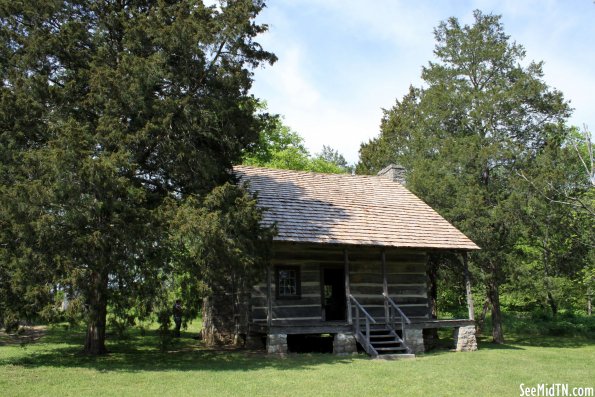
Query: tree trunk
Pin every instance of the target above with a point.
(218, 319)
(484, 311)
(546, 277)
(433, 286)
(552, 303)
(225, 318)
(208, 331)
(97, 305)
(494, 298)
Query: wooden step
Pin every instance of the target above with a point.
(400, 356)
(379, 349)
(378, 333)
(381, 336)
(385, 342)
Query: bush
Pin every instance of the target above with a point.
(541, 323)
(164, 320)
(10, 323)
(560, 328)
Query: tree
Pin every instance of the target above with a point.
(222, 240)
(280, 147)
(274, 138)
(109, 111)
(480, 118)
(552, 200)
(583, 145)
(578, 194)
(333, 156)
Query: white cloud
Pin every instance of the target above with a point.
(290, 80)
(341, 109)
(341, 61)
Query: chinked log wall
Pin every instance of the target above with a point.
(406, 281)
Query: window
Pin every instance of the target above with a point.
(288, 282)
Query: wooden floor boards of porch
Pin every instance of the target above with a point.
(333, 327)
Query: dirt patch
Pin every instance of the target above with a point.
(28, 334)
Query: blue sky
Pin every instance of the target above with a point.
(342, 61)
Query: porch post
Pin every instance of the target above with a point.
(269, 297)
(347, 287)
(384, 285)
(468, 287)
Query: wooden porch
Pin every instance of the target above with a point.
(381, 295)
(394, 337)
(333, 327)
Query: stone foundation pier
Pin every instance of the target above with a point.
(344, 344)
(277, 343)
(464, 338)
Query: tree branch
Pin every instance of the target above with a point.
(572, 198)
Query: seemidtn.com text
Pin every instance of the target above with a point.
(555, 390)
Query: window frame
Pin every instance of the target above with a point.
(298, 282)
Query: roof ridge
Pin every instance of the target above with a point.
(306, 172)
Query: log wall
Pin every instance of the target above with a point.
(308, 308)
(405, 272)
(406, 280)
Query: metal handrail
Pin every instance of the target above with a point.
(397, 308)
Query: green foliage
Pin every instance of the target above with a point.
(332, 156)
(109, 111)
(556, 233)
(275, 137)
(164, 320)
(219, 241)
(481, 119)
(280, 147)
(538, 323)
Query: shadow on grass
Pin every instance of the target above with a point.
(488, 345)
(553, 342)
(60, 348)
(446, 345)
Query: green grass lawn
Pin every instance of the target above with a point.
(53, 366)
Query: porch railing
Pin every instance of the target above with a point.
(394, 313)
(363, 339)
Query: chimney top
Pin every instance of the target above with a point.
(394, 172)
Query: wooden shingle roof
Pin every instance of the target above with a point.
(348, 209)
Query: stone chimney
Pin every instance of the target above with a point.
(394, 172)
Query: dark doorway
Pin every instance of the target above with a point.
(333, 294)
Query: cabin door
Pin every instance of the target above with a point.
(333, 294)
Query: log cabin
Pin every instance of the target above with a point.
(350, 260)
